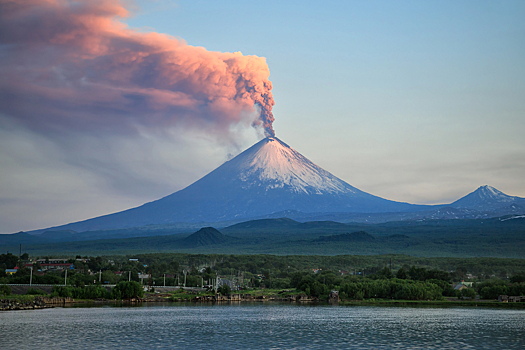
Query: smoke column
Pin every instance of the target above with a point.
(75, 66)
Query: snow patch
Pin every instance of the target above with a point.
(277, 165)
(514, 217)
(490, 192)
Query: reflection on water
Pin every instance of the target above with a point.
(265, 326)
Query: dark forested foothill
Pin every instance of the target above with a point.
(501, 237)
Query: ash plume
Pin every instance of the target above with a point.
(75, 66)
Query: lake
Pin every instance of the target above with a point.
(262, 326)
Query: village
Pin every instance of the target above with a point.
(200, 278)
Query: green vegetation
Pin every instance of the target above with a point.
(437, 238)
(5, 290)
(356, 277)
(87, 292)
(8, 261)
(35, 291)
(127, 290)
(490, 289)
(123, 290)
(224, 289)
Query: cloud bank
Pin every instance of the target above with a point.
(96, 117)
(75, 66)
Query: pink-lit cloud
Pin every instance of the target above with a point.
(74, 65)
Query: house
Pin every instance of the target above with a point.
(224, 281)
(52, 261)
(53, 265)
(463, 285)
(511, 299)
(460, 286)
(11, 271)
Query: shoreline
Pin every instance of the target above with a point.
(40, 302)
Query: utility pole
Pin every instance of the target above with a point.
(184, 278)
(31, 277)
(100, 276)
(65, 278)
(129, 278)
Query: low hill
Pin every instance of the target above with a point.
(204, 237)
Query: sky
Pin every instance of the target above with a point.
(106, 104)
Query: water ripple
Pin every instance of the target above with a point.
(262, 326)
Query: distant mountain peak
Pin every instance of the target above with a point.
(490, 192)
(486, 198)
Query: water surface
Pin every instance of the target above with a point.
(262, 326)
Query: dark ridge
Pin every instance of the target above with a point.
(321, 225)
(396, 237)
(264, 223)
(54, 235)
(18, 238)
(359, 236)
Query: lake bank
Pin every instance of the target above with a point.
(28, 302)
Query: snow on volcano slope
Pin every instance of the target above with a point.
(276, 165)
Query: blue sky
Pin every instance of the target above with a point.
(416, 101)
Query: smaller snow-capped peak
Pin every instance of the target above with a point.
(486, 198)
(490, 192)
(274, 164)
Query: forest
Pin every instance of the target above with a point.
(355, 277)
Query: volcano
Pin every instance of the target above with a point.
(488, 198)
(268, 177)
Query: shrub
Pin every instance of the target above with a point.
(95, 292)
(5, 289)
(518, 278)
(493, 292)
(127, 290)
(224, 289)
(35, 291)
(63, 291)
(468, 293)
